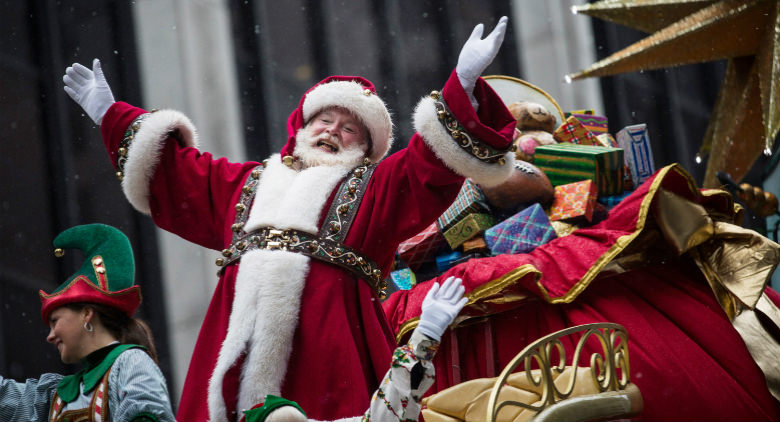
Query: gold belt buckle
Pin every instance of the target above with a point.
(276, 239)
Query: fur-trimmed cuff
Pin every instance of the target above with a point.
(144, 152)
(438, 139)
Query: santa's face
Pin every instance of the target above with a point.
(345, 130)
(332, 137)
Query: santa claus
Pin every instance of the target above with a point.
(308, 234)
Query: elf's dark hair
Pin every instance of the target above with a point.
(126, 329)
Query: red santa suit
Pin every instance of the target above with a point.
(280, 322)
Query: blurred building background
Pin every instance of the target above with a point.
(237, 68)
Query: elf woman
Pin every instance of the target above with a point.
(91, 321)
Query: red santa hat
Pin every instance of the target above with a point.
(355, 94)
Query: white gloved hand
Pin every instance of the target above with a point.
(89, 89)
(441, 306)
(477, 54)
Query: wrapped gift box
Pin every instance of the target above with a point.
(606, 140)
(404, 278)
(475, 244)
(585, 111)
(611, 201)
(574, 200)
(469, 227)
(635, 142)
(470, 200)
(567, 163)
(521, 233)
(422, 247)
(447, 260)
(573, 131)
(597, 125)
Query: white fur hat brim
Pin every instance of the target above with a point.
(362, 102)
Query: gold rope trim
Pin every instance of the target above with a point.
(484, 291)
(623, 241)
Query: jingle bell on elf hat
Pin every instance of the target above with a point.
(106, 277)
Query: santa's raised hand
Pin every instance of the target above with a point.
(477, 54)
(89, 89)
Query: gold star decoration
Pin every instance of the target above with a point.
(746, 117)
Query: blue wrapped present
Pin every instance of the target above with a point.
(521, 233)
(445, 261)
(610, 201)
(404, 278)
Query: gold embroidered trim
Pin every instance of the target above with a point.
(466, 142)
(124, 144)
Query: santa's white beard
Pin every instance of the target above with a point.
(306, 150)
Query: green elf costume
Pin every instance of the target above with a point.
(118, 382)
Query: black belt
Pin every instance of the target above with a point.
(311, 245)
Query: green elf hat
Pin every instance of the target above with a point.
(107, 275)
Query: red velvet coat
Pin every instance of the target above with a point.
(342, 343)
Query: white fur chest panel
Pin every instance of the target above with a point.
(286, 198)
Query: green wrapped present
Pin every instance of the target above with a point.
(468, 227)
(566, 163)
(470, 200)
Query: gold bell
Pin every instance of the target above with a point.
(240, 207)
(120, 175)
(136, 126)
(367, 92)
(59, 252)
(123, 151)
(288, 160)
(435, 95)
(255, 173)
(501, 161)
(366, 161)
(220, 262)
(226, 253)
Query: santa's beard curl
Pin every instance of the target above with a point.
(307, 152)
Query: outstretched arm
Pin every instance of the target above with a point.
(476, 56)
(411, 371)
(155, 155)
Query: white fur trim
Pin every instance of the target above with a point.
(143, 155)
(426, 123)
(269, 284)
(352, 96)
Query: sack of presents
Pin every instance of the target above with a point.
(566, 176)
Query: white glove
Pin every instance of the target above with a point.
(477, 54)
(441, 306)
(89, 89)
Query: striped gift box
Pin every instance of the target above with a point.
(567, 163)
(470, 226)
(574, 200)
(595, 124)
(573, 131)
(583, 111)
(422, 247)
(520, 233)
(470, 200)
(635, 141)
